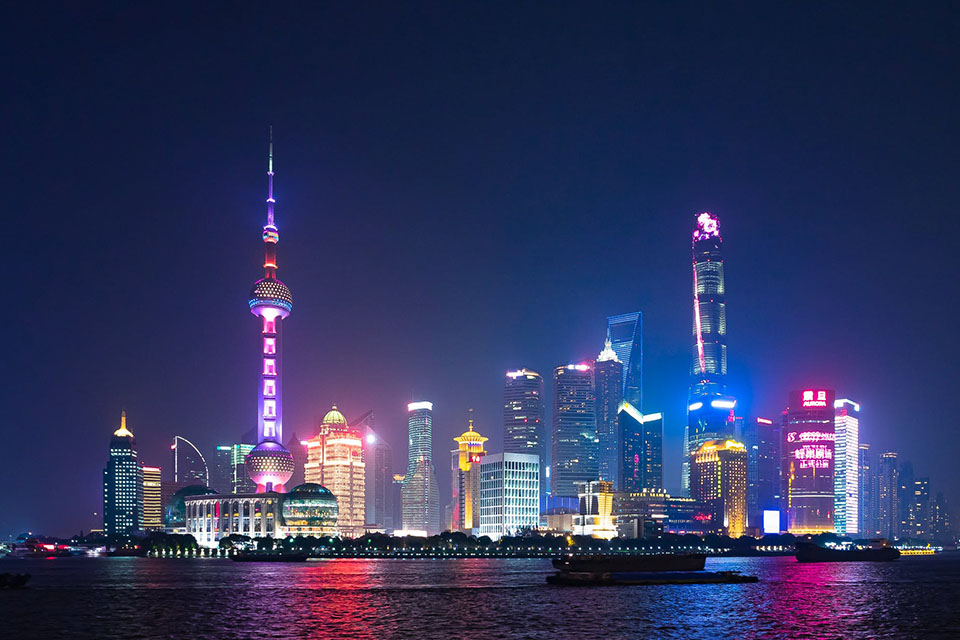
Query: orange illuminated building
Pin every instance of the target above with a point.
(465, 473)
(718, 476)
(335, 461)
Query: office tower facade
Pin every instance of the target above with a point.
(767, 471)
(918, 524)
(594, 516)
(807, 469)
(640, 450)
(888, 496)
(940, 524)
(524, 430)
(465, 480)
(378, 461)
(509, 494)
(574, 455)
(221, 470)
(867, 483)
(709, 407)
(151, 513)
(122, 485)
(421, 494)
(270, 465)
(335, 461)
(718, 476)
(608, 375)
(904, 497)
(396, 491)
(188, 464)
(625, 333)
(846, 456)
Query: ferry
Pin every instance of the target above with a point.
(878, 551)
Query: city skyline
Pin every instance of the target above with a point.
(432, 253)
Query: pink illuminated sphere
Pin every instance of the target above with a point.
(270, 464)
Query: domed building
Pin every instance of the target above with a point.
(309, 509)
(335, 460)
(175, 511)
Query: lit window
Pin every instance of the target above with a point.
(269, 388)
(269, 346)
(269, 367)
(269, 429)
(269, 325)
(269, 408)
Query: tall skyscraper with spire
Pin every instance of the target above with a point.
(122, 487)
(609, 372)
(709, 409)
(625, 333)
(270, 464)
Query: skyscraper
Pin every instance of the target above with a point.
(420, 494)
(378, 462)
(767, 471)
(465, 480)
(523, 426)
(718, 476)
(270, 465)
(641, 449)
(335, 461)
(189, 466)
(574, 456)
(122, 488)
(918, 511)
(867, 482)
(221, 472)
(846, 456)
(625, 333)
(888, 496)
(708, 406)
(608, 372)
(807, 471)
(509, 494)
(151, 515)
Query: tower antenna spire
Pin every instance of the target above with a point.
(270, 200)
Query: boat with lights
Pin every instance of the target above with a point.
(878, 551)
(613, 563)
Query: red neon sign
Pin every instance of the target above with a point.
(809, 401)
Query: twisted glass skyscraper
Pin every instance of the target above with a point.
(709, 410)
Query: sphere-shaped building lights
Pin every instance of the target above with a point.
(270, 465)
(270, 298)
(310, 509)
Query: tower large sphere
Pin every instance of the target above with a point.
(270, 465)
(273, 294)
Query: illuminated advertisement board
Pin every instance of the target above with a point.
(808, 460)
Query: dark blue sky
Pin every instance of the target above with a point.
(461, 190)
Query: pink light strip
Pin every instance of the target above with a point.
(696, 317)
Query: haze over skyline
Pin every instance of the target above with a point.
(462, 191)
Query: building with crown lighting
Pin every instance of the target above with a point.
(575, 447)
(710, 410)
(122, 484)
(641, 449)
(846, 457)
(718, 476)
(807, 468)
(335, 461)
(465, 480)
(420, 492)
(523, 425)
(608, 380)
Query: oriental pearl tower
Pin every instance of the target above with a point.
(270, 464)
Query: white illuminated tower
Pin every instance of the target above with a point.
(846, 458)
(270, 465)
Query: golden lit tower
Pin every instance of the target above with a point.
(718, 475)
(465, 475)
(335, 461)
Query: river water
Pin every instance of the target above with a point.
(105, 598)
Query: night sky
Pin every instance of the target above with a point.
(462, 190)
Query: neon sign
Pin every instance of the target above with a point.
(810, 436)
(814, 456)
(809, 401)
(475, 458)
